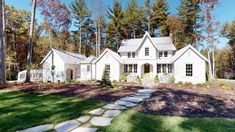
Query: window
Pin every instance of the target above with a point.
(107, 67)
(158, 68)
(135, 68)
(189, 70)
(165, 53)
(164, 68)
(147, 51)
(125, 68)
(88, 68)
(130, 68)
(133, 55)
(169, 68)
(129, 55)
(160, 54)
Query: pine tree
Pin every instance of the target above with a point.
(159, 17)
(114, 27)
(189, 12)
(106, 77)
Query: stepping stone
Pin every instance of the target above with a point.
(101, 121)
(125, 103)
(84, 119)
(145, 91)
(84, 129)
(40, 128)
(67, 126)
(98, 111)
(88, 124)
(112, 113)
(132, 99)
(114, 107)
(143, 94)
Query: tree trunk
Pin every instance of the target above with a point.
(30, 46)
(50, 38)
(14, 48)
(99, 39)
(2, 45)
(213, 64)
(209, 64)
(80, 39)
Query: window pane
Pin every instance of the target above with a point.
(160, 54)
(125, 68)
(189, 69)
(133, 55)
(169, 68)
(164, 68)
(129, 55)
(130, 68)
(158, 68)
(147, 51)
(107, 67)
(165, 54)
(135, 68)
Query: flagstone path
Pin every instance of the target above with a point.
(100, 117)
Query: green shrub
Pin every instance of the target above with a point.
(171, 79)
(138, 79)
(114, 81)
(106, 78)
(123, 77)
(187, 83)
(180, 83)
(201, 84)
(156, 79)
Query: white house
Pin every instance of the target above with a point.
(145, 57)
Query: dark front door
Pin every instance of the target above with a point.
(146, 68)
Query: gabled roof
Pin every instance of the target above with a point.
(66, 56)
(180, 52)
(113, 54)
(161, 43)
(89, 59)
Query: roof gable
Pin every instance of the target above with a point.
(112, 53)
(180, 52)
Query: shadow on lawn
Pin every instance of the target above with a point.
(183, 103)
(19, 110)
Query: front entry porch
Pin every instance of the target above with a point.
(147, 70)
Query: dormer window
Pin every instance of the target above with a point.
(165, 53)
(129, 55)
(147, 51)
(133, 54)
(160, 54)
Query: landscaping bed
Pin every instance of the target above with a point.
(190, 101)
(86, 90)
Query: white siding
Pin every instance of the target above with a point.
(114, 67)
(85, 74)
(199, 65)
(152, 50)
(59, 69)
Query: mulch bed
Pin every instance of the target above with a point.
(87, 91)
(190, 101)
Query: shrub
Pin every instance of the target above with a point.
(138, 79)
(123, 78)
(201, 84)
(187, 83)
(114, 81)
(171, 79)
(106, 78)
(180, 83)
(156, 79)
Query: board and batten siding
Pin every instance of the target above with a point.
(59, 69)
(199, 68)
(152, 50)
(108, 59)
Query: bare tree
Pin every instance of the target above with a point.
(2, 43)
(30, 46)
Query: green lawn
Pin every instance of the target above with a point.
(132, 121)
(19, 110)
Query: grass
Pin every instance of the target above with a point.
(19, 110)
(132, 121)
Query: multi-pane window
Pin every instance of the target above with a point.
(107, 67)
(165, 53)
(88, 68)
(164, 68)
(169, 68)
(147, 51)
(160, 54)
(130, 68)
(135, 68)
(125, 68)
(158, 68)
(133, 55)
(129, 55)
(189, 70)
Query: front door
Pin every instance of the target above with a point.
(146, 68)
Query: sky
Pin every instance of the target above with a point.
(224, 13)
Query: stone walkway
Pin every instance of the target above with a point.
(100, 117)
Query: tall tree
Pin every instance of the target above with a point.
(114, 27)
(2, 44)
(159, 17)
(190, 13)
(80, 13)
(228, 31)
(148, 11)
(30, 46)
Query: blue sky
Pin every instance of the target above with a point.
(224, 13)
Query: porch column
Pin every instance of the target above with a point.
(139, 69)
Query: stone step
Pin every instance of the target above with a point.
(145, 91)
(40, 128)
(125, 103)
(98, 111)
(84, 129)
(84, 119)
(101, 121)
(67, 126)
(114, 107)
(132, 99)
(111, 113)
